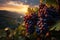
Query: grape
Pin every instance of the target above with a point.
(42, 23)
(40, 20)
(31, 20)
(38, 30)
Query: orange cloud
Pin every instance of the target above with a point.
(15, 7)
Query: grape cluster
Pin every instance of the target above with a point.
(39, 20)
(42, 26)
(30, 22)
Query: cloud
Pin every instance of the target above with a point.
(15, 7)
(30, 2)
(4, 1)
(20, 6)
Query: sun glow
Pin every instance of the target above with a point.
(15, 7)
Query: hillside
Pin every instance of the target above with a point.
(9, 19)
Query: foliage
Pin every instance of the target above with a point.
(51, 2)
(56, 26)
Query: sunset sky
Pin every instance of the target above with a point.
(19, 6)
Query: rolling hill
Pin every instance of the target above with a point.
(10, 19)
